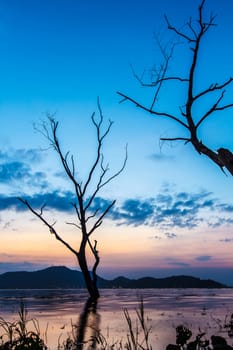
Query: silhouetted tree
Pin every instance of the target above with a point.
(87, 220)
(193, 34)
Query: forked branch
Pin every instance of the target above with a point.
(193, 35)
(50, 226)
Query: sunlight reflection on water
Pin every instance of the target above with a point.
(165, 308)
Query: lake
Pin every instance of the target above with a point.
(56, 310)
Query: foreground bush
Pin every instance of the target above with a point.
(15, 335)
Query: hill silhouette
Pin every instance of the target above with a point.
(64, 278)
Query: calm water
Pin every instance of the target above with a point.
(56, 310)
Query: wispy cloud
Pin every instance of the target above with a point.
(177, 263)
(161, 157)
(26, 155)
(204, 258)
(226, 240)
(21, 266)
(224, 207)
(170, 235)
(218, 221)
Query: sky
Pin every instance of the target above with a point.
(173, 211)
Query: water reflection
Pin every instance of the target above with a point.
(88, 325)
(203, 309)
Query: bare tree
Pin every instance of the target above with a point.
(87, 220)
(193, 35)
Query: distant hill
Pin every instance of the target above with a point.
(168, 282)
(62, 277)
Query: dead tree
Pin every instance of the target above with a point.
(87, 220)
(193, 35)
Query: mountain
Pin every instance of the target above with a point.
(168, 282)
(52, 277)
(64, 278)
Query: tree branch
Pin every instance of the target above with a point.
(161, 114)
(64, 159)
(99, 221)
(212, 88)
(100, 139)
(102, 183)
(93, 215)
(97, 260)
(77, 211)
(51, 228)
(213, 109)
(73, 224)
(174, 29)
(176, 139)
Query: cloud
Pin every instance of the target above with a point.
(226, 240)
(170, 209)
(177, 263)
(204, 258)
(180, 209)
(99, 204)
(28, 155)
(170, 235)
(133, 212)
(20, 266)
(218, 221)
(16, 167)
(225, 207)
(166, 210)
(60, 201)
(53, 200)
(13, 170)
(160, 157)
(9, 202)
(8, 224)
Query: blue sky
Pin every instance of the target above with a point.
(174, 207)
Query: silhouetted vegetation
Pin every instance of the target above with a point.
(183, 341)
(87, 335)
(16, 336)
(193, 35)
(86, 192)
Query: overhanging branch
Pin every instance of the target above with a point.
(160, 114)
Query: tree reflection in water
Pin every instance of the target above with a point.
(88, 325)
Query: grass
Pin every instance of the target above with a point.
(25, 334)
(16, 336)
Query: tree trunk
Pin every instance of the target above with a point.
(227, 158)
(90, 283)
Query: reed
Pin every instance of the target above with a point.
(138, 337)
(16, 335)
(25, 334)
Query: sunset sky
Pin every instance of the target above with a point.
(174, 208)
